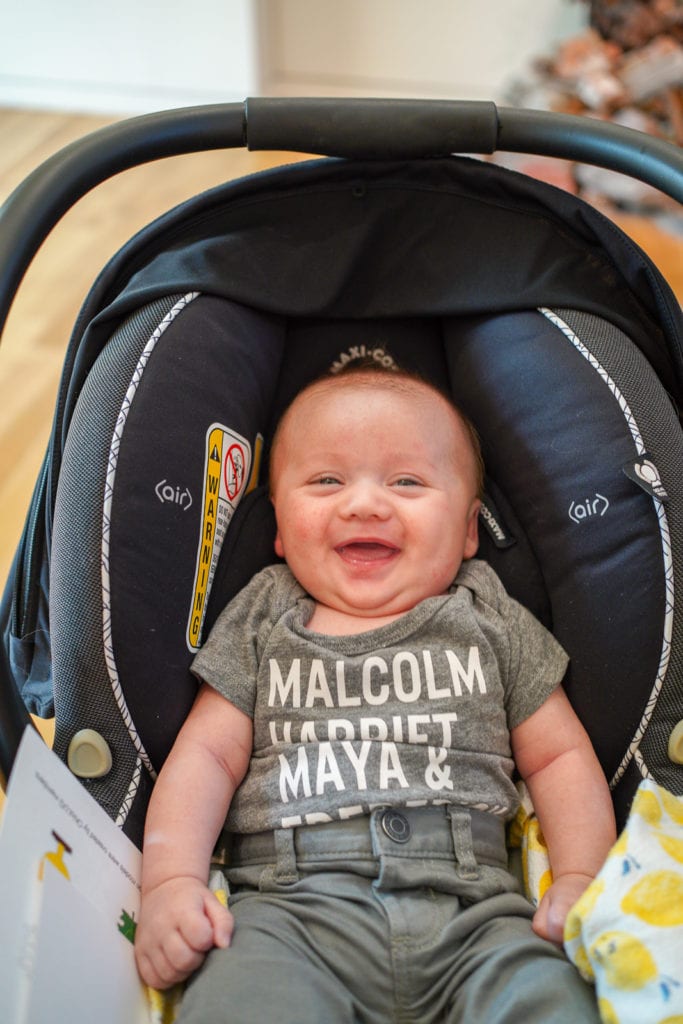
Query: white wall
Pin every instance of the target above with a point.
(131, 56)
(126, 56)
(465, 49)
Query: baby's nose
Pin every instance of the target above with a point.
(366, 499)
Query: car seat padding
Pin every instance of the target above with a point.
(217, 362)
(604, 543)
(241, 295)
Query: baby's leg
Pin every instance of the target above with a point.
(296, 956)
(279, 984)
(302, 956)
(507, 974)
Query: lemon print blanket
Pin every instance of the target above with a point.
(625, 934)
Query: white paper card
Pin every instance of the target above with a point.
(69, 893)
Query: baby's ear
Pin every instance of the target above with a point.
(279, 551)
(472, 534)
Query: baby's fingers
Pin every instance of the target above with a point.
(222, 922)
(176, 953)
(179, 923)
(168, 964)
(182, 958)
(548, 921)
(552, 912)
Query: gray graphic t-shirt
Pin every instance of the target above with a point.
(415, 712)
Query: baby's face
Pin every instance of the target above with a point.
(375, 496)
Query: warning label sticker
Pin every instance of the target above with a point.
(227, 466)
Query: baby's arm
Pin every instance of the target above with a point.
(571, 798)
(180, 918)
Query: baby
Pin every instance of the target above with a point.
(360, 713)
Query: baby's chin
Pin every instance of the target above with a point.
(339, 618)
(340, 621)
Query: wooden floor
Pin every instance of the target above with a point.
(47, 304)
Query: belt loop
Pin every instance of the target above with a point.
(285, 857)
(378, 838)
(461, 831)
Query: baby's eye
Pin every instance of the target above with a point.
(407, 481)
(326, 480)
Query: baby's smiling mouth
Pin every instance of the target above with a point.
(366, 551)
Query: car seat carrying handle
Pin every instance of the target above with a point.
(377, 129)
(372, 129)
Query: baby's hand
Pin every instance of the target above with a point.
(552, 911)
(180, 921)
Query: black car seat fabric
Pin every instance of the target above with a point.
(551, 330)
(592, 477)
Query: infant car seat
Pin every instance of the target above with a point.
(552, 330)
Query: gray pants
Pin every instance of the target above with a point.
(398, 917)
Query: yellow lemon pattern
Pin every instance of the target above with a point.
(626, 961)
(164, 1006)
(626, 932)
(672, 846)
(607, 1014)
(657, 899)
(673, 805)
(648, 806)
(525, 833)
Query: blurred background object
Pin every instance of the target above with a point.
(625, 66)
